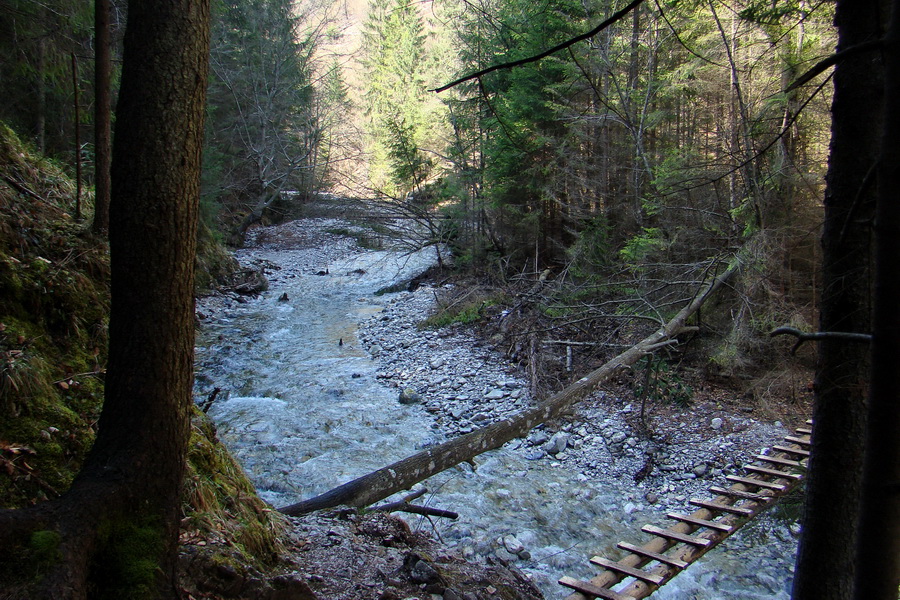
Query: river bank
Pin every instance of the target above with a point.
(311, 374)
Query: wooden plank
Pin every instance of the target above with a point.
(678, 537)
(772, 472)
(702, 522)
(757, 482)
(740, 494)
(802, 441)
(735, 510)
(778, 461)
(789, 450)
(663, 558)
(804, 430)
(589, 589)
(809, 421)
(630, 571)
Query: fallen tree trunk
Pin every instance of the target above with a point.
(401, 475)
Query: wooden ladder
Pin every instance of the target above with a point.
(672, 549)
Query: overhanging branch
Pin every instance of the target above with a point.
(524, 61)
(803, 336)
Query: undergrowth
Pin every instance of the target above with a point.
(54, 307)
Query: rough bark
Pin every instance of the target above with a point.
(825, 562)
(403, 474)
(130, 484)
(878, 545)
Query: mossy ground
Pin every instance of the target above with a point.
(54, 302)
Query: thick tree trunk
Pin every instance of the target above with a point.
(409, 471)
(117, 526)
(825, 561)
(878, 545)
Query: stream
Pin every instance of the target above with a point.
(305, 408)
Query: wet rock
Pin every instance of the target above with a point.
(534, 455)
(512, 544)
(409, 396)
(557, 443)
(618, 437)
(536, 438)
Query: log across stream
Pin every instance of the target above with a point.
(303, 409)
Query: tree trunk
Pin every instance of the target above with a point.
(878, 545)
(265, 200)
(825, 561)
(117, 525)
(409, 471)
(77, 134)
(102, 136)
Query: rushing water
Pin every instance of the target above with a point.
(303, 411)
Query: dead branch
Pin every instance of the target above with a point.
(803, 336)
(403, 505)
(22, 188)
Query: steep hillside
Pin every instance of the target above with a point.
(54, 301)
(54, 306)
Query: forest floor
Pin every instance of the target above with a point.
(669, 450)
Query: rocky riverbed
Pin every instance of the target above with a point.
(542, 505)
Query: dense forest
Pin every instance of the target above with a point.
(583, 166)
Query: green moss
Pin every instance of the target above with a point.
(470, 311)
(44, 546)
(54, 302)
(126, 567)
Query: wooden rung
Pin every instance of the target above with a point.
(630, 571)
(663, 558)
(678, 537)
(757, 482)
(589, 589)
(789, 450)
(772, 472)
(740, 494)
(701, 522)
(735, 510)
(809, 421)
(804, 430)
(778, 461)
(800, 441)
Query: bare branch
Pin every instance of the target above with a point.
(524, 61)
(832, 60)
(803, 336)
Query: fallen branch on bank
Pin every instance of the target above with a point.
(403, 505)
(403, 474)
